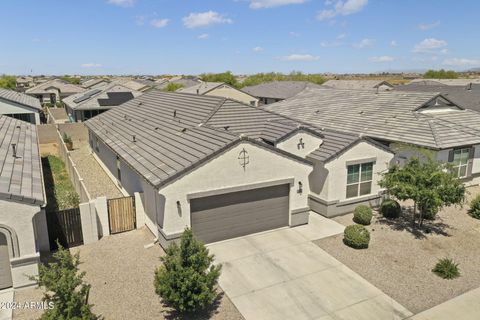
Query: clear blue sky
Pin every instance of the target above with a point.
(244, 36)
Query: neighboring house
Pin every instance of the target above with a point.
(23, 83)
(53, 91)
(227, 169)
(221, 89)
(185, 82)
(94, 83)
(375, 85)
(23, 226)
(406, 122)
(271, 92)
(88, 104)
(448, 82)
(466, 96)
(19, 106)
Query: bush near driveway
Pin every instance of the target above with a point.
(187, 279)
(362, 215)
(474, 210)
(356, 236)
(446, 269)
(390, 209)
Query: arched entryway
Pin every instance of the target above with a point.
(5, 267)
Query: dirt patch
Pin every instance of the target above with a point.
(121, 272)
(49, 148)
(399, 260)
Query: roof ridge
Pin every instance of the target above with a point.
(214, 110)
(435, 133)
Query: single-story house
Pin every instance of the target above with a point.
(376, 85)
(88, 104)
(466, 96)
(271, 92)
(53, 91)
(23, 225)
(221, 89)
(185, 82)
(20, 106)
(406, 122)
(227, 169)
(448, 82)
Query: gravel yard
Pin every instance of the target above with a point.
(120, 271)
(98, 183)
(399, 260)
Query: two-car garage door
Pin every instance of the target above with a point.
(235, 214)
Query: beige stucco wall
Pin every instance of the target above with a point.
(225, 171)
(13, 108)
(310, 141)
(29, 226)
(232, 93)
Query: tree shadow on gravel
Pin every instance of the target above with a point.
(404, 223)
(208, 313)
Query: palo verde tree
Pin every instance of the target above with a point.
(430, 184)
(187, 278)
(64, 286)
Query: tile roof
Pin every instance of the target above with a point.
(20, 98)
(448, 82)
(160, 134)
(356, 84)
(202, 87)
(21, 176)
(278, 89)
(89, 83)
(469, 99)
(63, 86)
(390, 116)
(92, 96)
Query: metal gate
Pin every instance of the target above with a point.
(121, 214)
(66, 227)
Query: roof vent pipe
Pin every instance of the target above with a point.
(469, 88)
(174, 113)
(198, 91)
(134, 138)
(14, 149)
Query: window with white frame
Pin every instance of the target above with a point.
(460, 162)
(359, 179)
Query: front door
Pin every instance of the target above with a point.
(5, 269)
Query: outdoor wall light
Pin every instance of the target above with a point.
(179, 208)
(300, 186)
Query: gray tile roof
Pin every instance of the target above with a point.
(21, 176)
(356, 84)
(202, 87)
(469, 99)
(63, 86)
(92, 96)
(278, 89)
(390, 116)
(174, 132)
(449, 82)
(20, 98)
(88, 84)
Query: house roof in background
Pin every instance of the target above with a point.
(88, 100)
(21, 176)
(176, 131)
(201, 88)
(356, 84)
(390, 116)
(278, 89)
(448, 82)
(89, 83)
(466, 96)
(20, 98)
(63, 86)
(184, 82)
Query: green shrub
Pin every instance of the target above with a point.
(356, 236)
(362, 215)
(186, 280)
(428, 212)
(446, 268)
(390, 209)
(474, 210)
(67, 138)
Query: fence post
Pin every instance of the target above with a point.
(139, 210)
(89, 222)
(102, 216)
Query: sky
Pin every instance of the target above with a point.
(91, 37)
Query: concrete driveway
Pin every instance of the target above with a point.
(281, 274)
(6, 297)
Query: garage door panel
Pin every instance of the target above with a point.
(232, 215)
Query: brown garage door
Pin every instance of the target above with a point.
(5, 270)
(235, 214)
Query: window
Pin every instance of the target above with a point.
(96, 144)
(359, 179)
(460, 162)
(119, 173)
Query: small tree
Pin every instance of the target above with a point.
(172, 86)
(430, 184)
(187, 278)
(64, 286)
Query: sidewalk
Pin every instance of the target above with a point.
(6, 296)
(463, 307)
